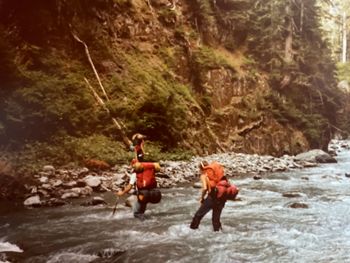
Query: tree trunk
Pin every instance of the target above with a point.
(301, 16)
(288, 50)
(344, 53)
(288, 47)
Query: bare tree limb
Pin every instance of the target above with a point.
(100, 101)
(92, 64)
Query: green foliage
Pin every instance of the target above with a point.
(73, 151)
(285, 112)
(46, 105)
(151, 103)
(156, 153)
(161, 118)
(343, 72)
(65, 150)
(206, 58)
(204, 12)
(167, 17)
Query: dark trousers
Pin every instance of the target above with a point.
(208, 204)
(139, 209)
(149, 196)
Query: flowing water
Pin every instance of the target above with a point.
(260, 228)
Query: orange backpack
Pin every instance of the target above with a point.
(215, 172)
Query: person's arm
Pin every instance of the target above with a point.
(125, 190)
(142, 145)
(204, 189)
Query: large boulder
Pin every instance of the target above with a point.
(325, 158)
(315, 156)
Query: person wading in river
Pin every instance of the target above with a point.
(138, 145)
(143, 177)
(211, 175)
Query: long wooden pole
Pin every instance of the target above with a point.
(100, 101)
(92, 64)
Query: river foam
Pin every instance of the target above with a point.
(8, 247)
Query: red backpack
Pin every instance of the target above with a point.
(226, 190)
(145, 179)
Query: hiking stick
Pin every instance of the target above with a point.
(115, 206)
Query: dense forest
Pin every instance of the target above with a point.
(194, 76)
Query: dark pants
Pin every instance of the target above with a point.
(208, 204)
(139, 209)
(149, 196)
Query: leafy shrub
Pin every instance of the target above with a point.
(47, 105)
(156, 153)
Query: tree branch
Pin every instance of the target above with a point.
(92, 64)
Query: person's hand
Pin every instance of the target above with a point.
(119, 193)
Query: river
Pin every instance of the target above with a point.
(262, 227)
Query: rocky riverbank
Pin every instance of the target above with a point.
(57, 186)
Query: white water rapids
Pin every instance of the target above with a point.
(260, 228)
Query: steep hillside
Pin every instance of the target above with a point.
(184, 75)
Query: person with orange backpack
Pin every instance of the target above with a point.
(216, 190)
(143, 178)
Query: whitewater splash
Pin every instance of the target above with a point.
(8, 247)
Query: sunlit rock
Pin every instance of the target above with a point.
(69, 195)
(315, 155)
(57, 183)
(49, 169)
(43, 179)
(92, 181)
(33, 201)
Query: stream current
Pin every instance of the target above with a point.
(262, 227)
